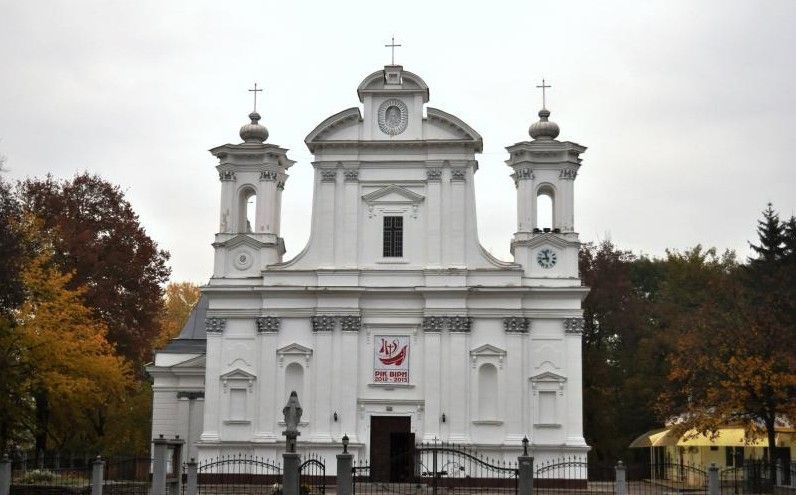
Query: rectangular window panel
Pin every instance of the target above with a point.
(393, 241)
(547, 408)
(237, 404)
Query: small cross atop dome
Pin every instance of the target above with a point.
(544, 129)
(254, 132)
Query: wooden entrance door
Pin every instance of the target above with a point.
(391, 442)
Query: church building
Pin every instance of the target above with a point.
(393, 325)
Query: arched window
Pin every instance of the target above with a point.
(247, 210)
(294, 380)
(487, 392)
(545, 207)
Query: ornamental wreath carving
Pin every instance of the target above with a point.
(268, 175)
(350, 323)
(452, 323)
(328, 175)
(393, 116)
(327, 323)
(516, 324)
(568, 173)
(351, 175)
(226, 175)
(434, 174)
(215, 325)
(322, 323)
(457, 174)
(574, 325)
(267, 324)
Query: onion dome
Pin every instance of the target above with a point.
(544, 129)
(254, 132)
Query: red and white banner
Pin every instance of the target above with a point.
(391, 359)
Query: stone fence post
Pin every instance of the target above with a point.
(714, 485)
(5, 475)
(621, 478)
(192, 474)
(345, 466)
(159, 465)
(97, 476)
(525, 463)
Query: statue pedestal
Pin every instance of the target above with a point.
(290, 473)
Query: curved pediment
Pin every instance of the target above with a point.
(377, 83)
(349, 117)
(455, 127)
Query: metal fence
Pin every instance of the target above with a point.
(27, 480)
(127, 476)
(240, 473)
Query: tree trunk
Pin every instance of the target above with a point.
(772, 450)
(42, 403)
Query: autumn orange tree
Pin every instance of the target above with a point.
(733, 338)
(62, 366)
(178, 301)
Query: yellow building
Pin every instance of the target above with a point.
(728, 448)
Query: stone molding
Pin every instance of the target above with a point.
(267, 324)
(516, 324)
(226, 175)
(328, 323)
(351, 175)
(574, 325)
(215, 325)
(268, 175)
(434, 174)
(328, 175)
(190, 395)
(458, 174)
(456, 324)
(568, 174)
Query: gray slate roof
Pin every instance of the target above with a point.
(192, 338)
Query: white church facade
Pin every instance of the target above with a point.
(393, 325)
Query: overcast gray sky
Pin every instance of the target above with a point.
(688, 108)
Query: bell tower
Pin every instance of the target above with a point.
(252, 176)
(545, 167)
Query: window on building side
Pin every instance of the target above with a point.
(487, 392)
(547, 407)
(237, 404)
(393, 246)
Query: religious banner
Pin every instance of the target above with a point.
(391, 359)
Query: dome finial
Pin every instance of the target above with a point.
(254, 132)
(544, 129)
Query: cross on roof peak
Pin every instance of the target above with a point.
(544, 96)
(255, 91)
(392, 47)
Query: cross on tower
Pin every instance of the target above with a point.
(392, 47)
(544, 86)
(255, 91)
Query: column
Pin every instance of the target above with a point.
(266, 215)
(212, 387)
(432, 383)
(457, 216)
(321, 401)
(324, 214)
(574, 395)
(228, 211)
(433, 218)
(459, 386)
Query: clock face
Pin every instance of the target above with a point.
(546, 258)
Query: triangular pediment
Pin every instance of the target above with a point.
(549, 377)
(549, 238)
(294, 349)
(240, 240)
(238, 374)
(393, 194)
(487, 350)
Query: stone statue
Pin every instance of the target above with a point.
(292, 412)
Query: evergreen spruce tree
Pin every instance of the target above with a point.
(770, 232)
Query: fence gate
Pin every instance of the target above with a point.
(312, 476)
(437, 468)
